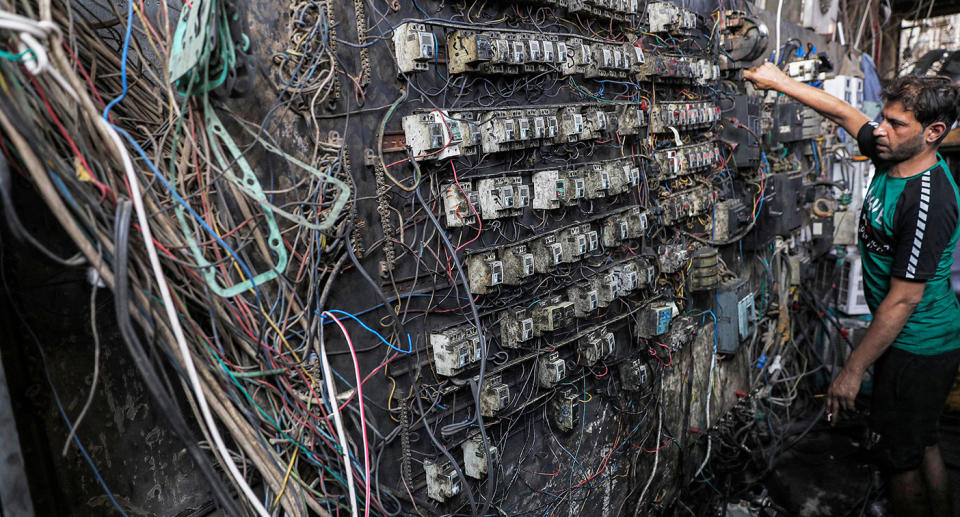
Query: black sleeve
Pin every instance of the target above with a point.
(923, 224)
(867, 142)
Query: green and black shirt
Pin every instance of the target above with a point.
(908, 229)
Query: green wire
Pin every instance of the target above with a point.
(19, 58)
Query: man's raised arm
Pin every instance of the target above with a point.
(769, 77)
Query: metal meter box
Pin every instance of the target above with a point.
(736, 315)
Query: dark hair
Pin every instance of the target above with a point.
(930, 98)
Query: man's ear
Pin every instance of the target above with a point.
(934, 131)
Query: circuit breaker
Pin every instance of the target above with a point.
(552, 369)
(484, 271)
(517, 327)
(455, 349)
(495, 396)
(414, 46)
(736, 315)
(475, 456)
(443, 482)
(596, 346)
(564, 408)
(634, 374)
(654, 320)
(553, 314)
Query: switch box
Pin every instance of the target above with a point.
(437, 136)
(607, 286)
(517, 326)
(552, 370)
(564, 408)
(414, 46)
(518, 264)
(460, 204)
(736, 315)
(443, 482)
(455, 349)
(634, 375)
(484, 271)
(687, 159)
(623, 226)
(628, 277)
(475, 457)
(687, 204)
(575, 242)
(494, 397)
(664, 17)
(654, 320)
(554, 314)
(683, 116)
(502, 197)
(596, 346)
(547, 253)
(585, 298)
(672, 257)
(683, 330)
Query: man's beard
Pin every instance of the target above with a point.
(904, 151)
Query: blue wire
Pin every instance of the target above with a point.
(146, 159)
(374, 332)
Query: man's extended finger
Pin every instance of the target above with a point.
(831, 404)
(848, 403)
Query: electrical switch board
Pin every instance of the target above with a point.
(680, 69)
(414, 47)
(502, 197)
(443, 482)
(455, 349)
(795, 122)
(517, 327)
(736, 315)
(475, 457)
(807, 70)
(730, 218)
(563, 409)
(624, 226)
(616, 10)
(634, 375)
(438, 134)
(745, 109)
(655, 320)
(551, 371)
(460, 204)
(518, 264)
(596, 346)
(484, 270)
(664, 17)
(687, 203)
(687, 159)
(585, 298)
(495, 396)
(553, 314)
(683, 116)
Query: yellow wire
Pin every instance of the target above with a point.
(286, 477)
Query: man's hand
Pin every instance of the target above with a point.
(843, 391)
(766, 76)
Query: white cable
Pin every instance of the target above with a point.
(332, 398)
(776, 50)
(175, 322)
(713, 365)
(656, 455)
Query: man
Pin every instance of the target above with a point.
(907, 232)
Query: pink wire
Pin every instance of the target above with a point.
(363, 418)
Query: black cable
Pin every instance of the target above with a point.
(164, 400)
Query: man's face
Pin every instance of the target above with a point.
(899, 136)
